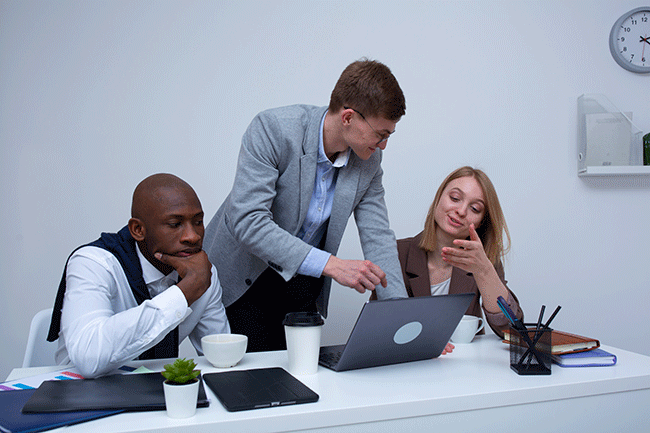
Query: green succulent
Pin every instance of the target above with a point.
(181, 371)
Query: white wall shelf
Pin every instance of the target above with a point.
(609, 144)
(615, 170)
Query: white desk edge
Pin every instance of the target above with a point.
(464, 385)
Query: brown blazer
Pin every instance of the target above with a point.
(416, 279)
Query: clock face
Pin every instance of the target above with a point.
(629, 40)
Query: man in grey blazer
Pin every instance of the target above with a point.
(302, 171)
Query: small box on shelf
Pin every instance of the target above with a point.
(609, 143)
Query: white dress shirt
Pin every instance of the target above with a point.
(320, 208)
(103, 327)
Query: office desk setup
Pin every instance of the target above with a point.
(471, 389)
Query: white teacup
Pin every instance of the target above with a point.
(467, 328)
(224, 350)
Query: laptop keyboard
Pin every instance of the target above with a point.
(330, 358)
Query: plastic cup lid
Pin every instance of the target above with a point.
(303, 318)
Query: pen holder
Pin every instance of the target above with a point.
(530, 351)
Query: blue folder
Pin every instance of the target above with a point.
(12, 420)
(590, 358)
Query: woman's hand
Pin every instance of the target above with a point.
(469, 255)
(448, 349)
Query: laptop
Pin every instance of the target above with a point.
(399, 330)
(258, 388)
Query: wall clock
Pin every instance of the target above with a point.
(629, 40)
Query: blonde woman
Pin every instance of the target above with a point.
(461, 248)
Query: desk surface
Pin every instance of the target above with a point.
(474, 384)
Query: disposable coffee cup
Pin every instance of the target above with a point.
(302, 331)
(468, 327)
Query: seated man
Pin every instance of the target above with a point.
(121, 298)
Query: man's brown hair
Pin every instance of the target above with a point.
(369, 87)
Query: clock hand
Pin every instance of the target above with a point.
(646, 39)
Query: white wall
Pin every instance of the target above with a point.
(95, 96)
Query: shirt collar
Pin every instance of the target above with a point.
(341, 159)
(150, 273)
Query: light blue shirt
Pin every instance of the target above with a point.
(320, 208)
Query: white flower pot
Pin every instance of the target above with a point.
(181, 400)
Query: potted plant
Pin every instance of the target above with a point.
(181, 388)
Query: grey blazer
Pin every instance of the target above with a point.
(256, 226)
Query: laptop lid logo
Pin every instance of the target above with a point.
(407, 333)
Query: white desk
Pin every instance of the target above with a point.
(472, 389)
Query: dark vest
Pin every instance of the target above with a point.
(123, 247)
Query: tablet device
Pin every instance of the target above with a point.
(258, 388)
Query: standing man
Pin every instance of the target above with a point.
(141, 291)
(302, 171)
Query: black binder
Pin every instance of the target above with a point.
(128, 392)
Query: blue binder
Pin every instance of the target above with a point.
(12, 420)
(590, 358)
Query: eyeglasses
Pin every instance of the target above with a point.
(382, 137)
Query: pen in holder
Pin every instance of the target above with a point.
(530, 350)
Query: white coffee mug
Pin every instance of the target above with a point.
(467, 328)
